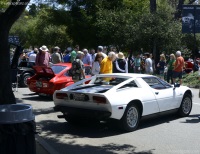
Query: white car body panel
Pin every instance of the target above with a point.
(153, 101)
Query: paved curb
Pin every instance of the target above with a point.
(45, 145)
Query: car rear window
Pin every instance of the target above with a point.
(109, 81)
(57, 69)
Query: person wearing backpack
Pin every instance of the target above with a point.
(78, 70)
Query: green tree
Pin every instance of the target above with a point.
(32, 10)
(48, 23)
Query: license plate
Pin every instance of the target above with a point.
(39, 84)
(79, 97)
(45, 85)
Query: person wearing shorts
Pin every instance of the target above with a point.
(178, 68)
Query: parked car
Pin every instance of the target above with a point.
(24, 71)
(125, 97)
(48, 79)
(20, 72)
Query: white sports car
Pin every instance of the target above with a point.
(125, 97)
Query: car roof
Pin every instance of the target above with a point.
(129, 75)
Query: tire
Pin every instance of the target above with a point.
(186, 106)
(23, 82)
(130, 120)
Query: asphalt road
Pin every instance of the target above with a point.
(164, 135)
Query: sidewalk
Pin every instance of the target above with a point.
(40, 148)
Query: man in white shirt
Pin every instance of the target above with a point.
(148, 64)
(32, 57)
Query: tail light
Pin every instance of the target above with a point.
(61, 95)
(100, 100)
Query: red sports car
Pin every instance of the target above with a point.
(48, 79)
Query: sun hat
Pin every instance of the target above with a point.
(120, 55)
(44, 48)
(57, 48)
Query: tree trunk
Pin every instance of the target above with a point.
(6, 94)
(7, 19)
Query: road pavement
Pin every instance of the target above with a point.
(166, 135)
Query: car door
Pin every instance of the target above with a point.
(165, 94)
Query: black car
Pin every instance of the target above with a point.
(22, 71)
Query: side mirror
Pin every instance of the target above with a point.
(176, 85)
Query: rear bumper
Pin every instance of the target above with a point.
(87, 113)
(48, 91)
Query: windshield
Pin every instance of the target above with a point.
(109, 80)
(57, 69)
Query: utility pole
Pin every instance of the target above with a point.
(152, 6)
(179, 9)
(153, 10)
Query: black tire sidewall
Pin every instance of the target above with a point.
(27, 75)
(181, 113)
(123, 121)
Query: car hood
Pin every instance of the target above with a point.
(44, 71)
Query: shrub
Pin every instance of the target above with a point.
(191, 80)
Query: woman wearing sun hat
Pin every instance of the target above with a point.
(43, 57)
(121, 64)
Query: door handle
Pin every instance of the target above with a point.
(156, 93)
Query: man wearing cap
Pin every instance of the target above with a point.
(43, 57)
(55, 57)
(178, 67)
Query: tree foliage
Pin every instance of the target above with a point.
(126, 24)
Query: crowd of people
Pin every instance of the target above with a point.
(102, 61)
